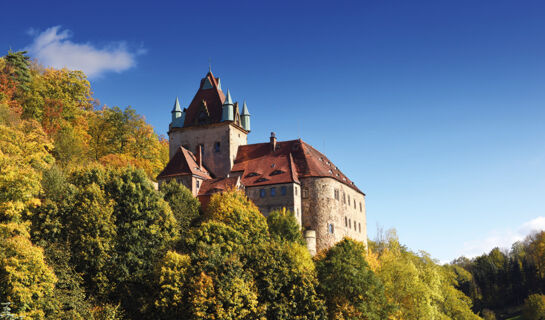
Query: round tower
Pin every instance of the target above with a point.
(245, 117)
(227, 113)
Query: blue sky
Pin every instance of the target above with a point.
(436, 109)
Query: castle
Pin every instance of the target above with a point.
(209, 153)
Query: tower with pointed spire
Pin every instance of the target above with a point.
(211, 121)
(227, 113)
(245, 117)
(178, 116)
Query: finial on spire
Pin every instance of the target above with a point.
(209, 65)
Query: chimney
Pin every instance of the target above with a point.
(199, 155)
(273, 141)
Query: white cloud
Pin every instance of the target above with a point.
(502, 239)
(53, 48)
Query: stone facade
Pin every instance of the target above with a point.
(219, 141)
(277, 196)
(333, 210)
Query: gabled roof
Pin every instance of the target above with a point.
(209, 92)
(295, 158)
(183, 163)
(211, 186)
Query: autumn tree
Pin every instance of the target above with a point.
(350, 288)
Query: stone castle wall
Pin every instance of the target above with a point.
(291, 201)
(328, 210)
(228, 136)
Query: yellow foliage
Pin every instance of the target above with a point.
(23, 155)
(27, 282)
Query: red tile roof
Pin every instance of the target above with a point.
(182, 163)
(212, 97)
(290, 161)
(211, 186)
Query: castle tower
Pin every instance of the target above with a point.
(211, 122)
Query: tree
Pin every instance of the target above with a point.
(23, 156)
(350, 288)
(91, 234)
(284, 227)
(234, 208)
(25, 279)
(534, 307)
(184, 206)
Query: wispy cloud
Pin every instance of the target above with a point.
(502, 239)
(53, 48)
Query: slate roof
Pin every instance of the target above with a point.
(183, 163)
(290, 161)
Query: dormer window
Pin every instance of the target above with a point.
(252, 174)
(262, 180)
(275, 172)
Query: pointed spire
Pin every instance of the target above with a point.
(245, 109)
(176, 106)
(228, 99)
(245, 117)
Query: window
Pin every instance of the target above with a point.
(198, 184)
(275, 172)
(349, 223)
(355, 226)
(336, 194)
(354, 204)
(348, 199)
(217, 146)
(295, 190)
(262, 193)
(305, 193)
(359, 226)
(344, 197)
(331, 228)
(273, 191)
(360, 207)
(252, 174)
(345, 221)
(262, 180)
(283, 190)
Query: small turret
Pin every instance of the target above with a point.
(178, 116)
(227, 110)
(245, 117)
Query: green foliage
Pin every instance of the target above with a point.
(284, 227)
(92, 234)
(350, 287)
(184, 206)
(534, 307)
(18, 65)
(286, 280)
(71, 301)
